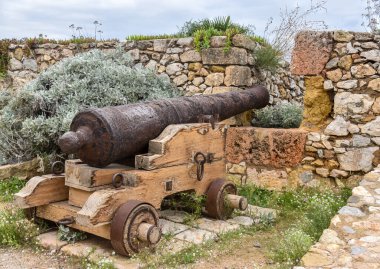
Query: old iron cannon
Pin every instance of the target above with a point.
(100, 136)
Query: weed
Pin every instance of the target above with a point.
(256, 196)
(10, 186)
(15, 229)
(103, 263)
(70, 235)
(267, 58)
(283, 115)
(151, 37)
(293, 245)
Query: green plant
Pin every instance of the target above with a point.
(189, 202)
(284, 115)
(151, 37)
(255, 195)
(292, 246)
(4, 57)
(267, 58)
(10, 186)
(15, 229)
(103, 263)
(32, 119)
(70, 235)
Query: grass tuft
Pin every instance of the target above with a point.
(10, 186)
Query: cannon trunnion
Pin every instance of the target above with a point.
(121, 203)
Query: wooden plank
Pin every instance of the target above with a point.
(80, 175)
(57, 211)
(78, 197)
(151, 188)
(42, 190)
(177, 145)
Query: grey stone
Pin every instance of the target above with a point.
(353, 129)
(190, 56)
(351, 211)
(218, 41)
(259, 212)
(172, 228)
(349, 104)
(372, 128)
(242, 220)
(196, 236)
(359, 159)
(347, 84)
(219, 57)
(185, 41)
(173, 68)
(306, 176)
(363, 36)
(356, 250)
(338, 127)
(314, 136)
(369, 45)
(332, 63)
(328, 85)
(14, 64)
(243, 41)
(342, 143)
(180, 80)
(134, 54)
(374, 84)
(360, 141)
(174, 50)
(160, 45)
(351, 49)
(348, 230)
(370, 239)
(330, 237)
(371, 55)
(216, 226)
(50, 240)
(173, 215)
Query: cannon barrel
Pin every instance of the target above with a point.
(100, 136)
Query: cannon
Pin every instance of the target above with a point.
(100, 136)
(102, 195)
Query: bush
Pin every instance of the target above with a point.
(284, 115)
(267, 58)
(15, 229)
(32, 120)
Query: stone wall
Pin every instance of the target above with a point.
(342, 102)
(212, 70)
(341, 117)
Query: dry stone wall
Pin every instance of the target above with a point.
(213, 70)
(341, 118)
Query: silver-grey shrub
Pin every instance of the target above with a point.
(32, 119)
(283, 115)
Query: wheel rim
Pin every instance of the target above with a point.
(125, 224)
(215, 202)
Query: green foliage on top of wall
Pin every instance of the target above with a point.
(283, 115)
(32, 119)
(4, 57)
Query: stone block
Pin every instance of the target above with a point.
(185, 41)
(317, 104)
(258, 212)
(265, 146)
(50, 241)
(222, 89)
(350, 105)
(23, 170)
(269, 179)
(371, 55)
(374, 84)
(372, 128)
(238, 76)
(170, 227)
(173, 68)
(196, 236)
(244, 42)
(362, 71)
(218, 41)
(160, 45)
(190, 56)
(242, 220)
(358, 159)
(311, 52)
(219, 56)
(338, 127)
(173, 215)
(343, 36)
(216, 226)
(214, 79)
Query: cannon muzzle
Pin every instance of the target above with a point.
(100, 136)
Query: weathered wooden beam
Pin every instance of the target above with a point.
(83, 176)
(151, 187)
(178, 143)
(42, 190)
(58, 211)
(78, 197)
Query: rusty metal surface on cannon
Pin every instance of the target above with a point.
(100, 136)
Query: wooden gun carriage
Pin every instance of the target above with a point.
(120, 202)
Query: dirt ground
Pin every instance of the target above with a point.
(11, 258)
